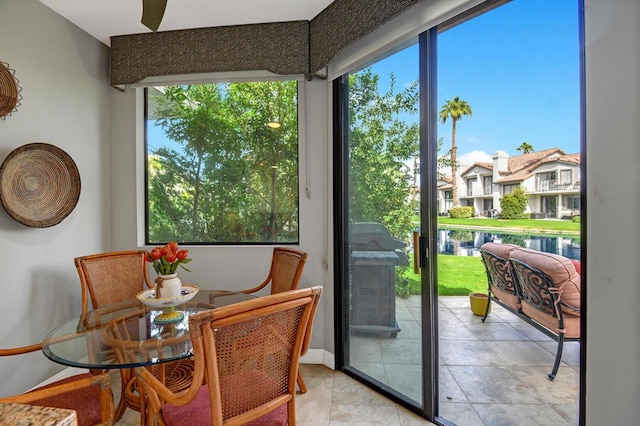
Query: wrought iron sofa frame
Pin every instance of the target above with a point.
(534, 287)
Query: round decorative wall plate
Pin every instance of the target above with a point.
(9, 91)
(39, 185)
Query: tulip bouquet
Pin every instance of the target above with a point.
(166, 259)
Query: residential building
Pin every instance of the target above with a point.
(550, 179)
(445, 194)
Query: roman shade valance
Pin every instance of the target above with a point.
(281, 48)
(344, 22)
(286, 48)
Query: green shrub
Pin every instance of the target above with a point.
(576, 219)
(461, 212)
(513, 204)
(516, 240)
(403, 290)
(459, 235)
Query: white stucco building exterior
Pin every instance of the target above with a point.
(550, 178)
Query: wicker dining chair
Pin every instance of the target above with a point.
(246, 354)
(88, 394)
(285, 271)
(114, 277)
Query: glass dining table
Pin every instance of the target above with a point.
(87, 341)
(125, 335)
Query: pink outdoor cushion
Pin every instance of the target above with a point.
(571, 322)
(500, 250)
(560, 270)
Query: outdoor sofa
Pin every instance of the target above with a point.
(541, 288)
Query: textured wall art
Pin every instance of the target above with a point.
(9, 91)
(39, 185)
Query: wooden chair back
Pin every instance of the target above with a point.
(112, 277)
(108, 278)
(248, 355)
(286, 269)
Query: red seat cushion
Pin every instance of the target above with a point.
(253, 385)
(576, 264)
(85, 401)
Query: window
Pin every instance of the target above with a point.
(448, 195)
(508, 189)
(487, 183)
(470, 186)
(546, 181)
(222, 163)
(572, 203)
(566, 178)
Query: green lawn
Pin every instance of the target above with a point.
(457, 276)
(461, 275)
(543, 226)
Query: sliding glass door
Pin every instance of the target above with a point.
(382, 285)
(429, 136)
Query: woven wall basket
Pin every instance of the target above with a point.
(39, 185)
(9, 91)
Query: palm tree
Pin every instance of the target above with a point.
(454, 108)
(525, 147)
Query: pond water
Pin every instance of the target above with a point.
(466, 242)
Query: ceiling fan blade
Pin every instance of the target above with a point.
(152, 13)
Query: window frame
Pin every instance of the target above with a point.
(214, 78)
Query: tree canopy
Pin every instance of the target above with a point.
(525, 147)
(382, 144)
(223, 175)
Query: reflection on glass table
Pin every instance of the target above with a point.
(87, 341)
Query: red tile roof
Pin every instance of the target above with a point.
(521, 167)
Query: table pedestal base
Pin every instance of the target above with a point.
(169, 315)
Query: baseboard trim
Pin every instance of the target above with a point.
(319, 356)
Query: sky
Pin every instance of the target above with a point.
(517, 67)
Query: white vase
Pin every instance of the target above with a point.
(168, 286)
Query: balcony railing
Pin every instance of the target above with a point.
(552, 185)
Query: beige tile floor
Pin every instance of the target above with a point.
(332, 399)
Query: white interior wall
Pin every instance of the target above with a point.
(234, 267)
(613, 237)
(63, 73)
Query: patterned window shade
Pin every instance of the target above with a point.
(281, 48)
(286, 48)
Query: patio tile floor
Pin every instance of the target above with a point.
(491, 373)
